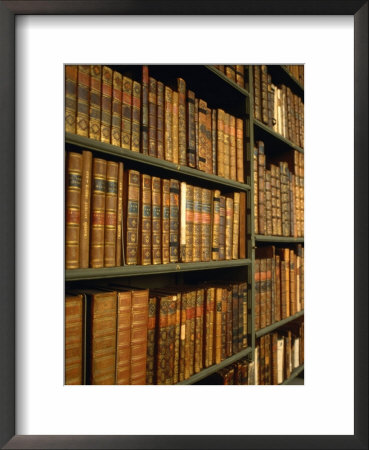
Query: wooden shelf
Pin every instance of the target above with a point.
(228, 80)
(286, 239)
(276, 136)
(279, 324)
(280, 74)
(294, 374)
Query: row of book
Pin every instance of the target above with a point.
(241, 372)
(297, 71)
(235, 73)
(278, 107)
(154, 119)
(277, 354)
(278, 194)
(156, 336)
(116, 216)
(279, 284)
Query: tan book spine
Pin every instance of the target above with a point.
(293, 303)
(116, 119)
(226, 136)
(177, 338)
(175, 136)
(218, 325)
(131, 212)
(174, 221)
(182, 142)
(106, 103)
(83, 100)
(126, 128)
(111, 198)
(243, 230)
(165, 220)
(152, 116)
(197, 223)
(74, 312)
(123, 358)
(232, 148)
(215, 225)
(239, 151)
(182, 342)
(243, 328)
(71, 74)
(236, 225)
(187, 222)
(168, 123)
(95, 103)
(118, 245)
(156, 219)
(84, 232)
(220, 142)
(280, 360)
(229, 228)
(206, 203)
(136, 115)
(278, 315)
(210, 322)
(139, 320)
(151, 341)
(160, 120)
(256, 192)
(97, 213)
(144, 113)
(145, 220)
(222, 224)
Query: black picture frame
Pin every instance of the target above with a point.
(8, 11)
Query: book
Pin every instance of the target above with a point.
(197, 224)
(182, 142)
(160, 119)
(126, 128)
(187, 219)
(145, 220)
(156, 220)
(144, 112)
(151, 341)
(131, 214)
(139, 320)
(232, 148)
(215, 225)
(229, 227)
(168, 123)
(71, 74)
(165, 220)
(110, 227)
(123, 357)
(175, 124)
(220, 142)
(239, 151)
(206, 203)
(116, 117)
(191, 132)
(74, 339)
(236, 225)
(83, 100)
(136, 114)
(106, 103)
(119, 234)
(174, 221)
(84, 233)
(152, 134)
(95, 103)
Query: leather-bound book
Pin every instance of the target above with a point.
(197, 133)
(298, 278)
(98, 190)
(197, 223)
(269, 297)
(136, 115)
(174, 221)
(160, 120)
(168, 123)
(215, 225)
(257, 294)
(279, 201)
(177, 338)
(214, 141)
(240, 75)
(206, 203)
(71, 73)
(222, 225)
(162, 340)
(230, 72)
(236, 225)
(270, 102)
(226, 136)
(285, 288)
(229, 228)
(106, 103)
(290, 118)
(126, 129)
(182, 341)
(242, 233)
(209, 326)
(277, 316)
(257, 364)
(239, 151)
(262, 361)
(123, 357)
(73, 210)
(101, 337)
(145, 111)
(220, 142)
(287, 354)
(202, 141)
(118, 245)
(232, 148)
(224, 323)
(257, 92)
(293, 303)
(186, 228)
(280, 360)
(95, 103)
(84, 232)
(139, 320)
(156, 219)
(285, 200)
(261, 188)
(165, 220)
(131, 214)
(268, 204)
(175, 119)
(74, 337)
(172, 308)
(151, 341)
(235, 320)
(190, 333)
(152, 116)
(256, 190)
(273, 288)
(209, 150)
(218, 325)
(83, 100)
(182, 141)
(291, 203)
(242, 314)
(116, 118)
(145, 220)
(267, 360)
(284, 110)
(274, 360)
(199, 324)
(273, 189)
(263, 292)
(111, 197)
(264, 93)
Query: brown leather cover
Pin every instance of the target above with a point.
(123, 362)
(165, 220)
(214, 140)
(257, 294)
(226, 137)
(136, 115)
(98, 190)
(145, 111)
(256, 192)
(139, 320)
(206, 204)
(197, 133)
(220, 142)
(293, 305)
(131, 212)
(174, 221)
(197, 223)
(215, 225)
(232, 148)
(73, 210)
(202, 146)
(191, 132)
(111, 198)
(264, 93)
(243, 314)
(152, 117)
(190, 336)
(257, 92)
(84, 232)
(261, 188)
(156, 219)
(106, 102)
(83, 100)
(116, 119)
(126, 129)
(177, 338)
(277, 316)
(229, 323)
(183, 333)
(242, 234)
(172, 308)
(218, 325)
(268, 204)
(182, 141)
(175, 120)
(199, 324)
(160, 120)
(168, 123)
(74, 312)
(239, 151)
(222, 222)
(162, 340)
(71, 73)
(118, 245)
(236, 225)
(209, 327)
(263, 292)
(151, 341)
(145, 220)
(274, 199)
(229, 227)
(236, 344)
(224, 324)
(187, 218)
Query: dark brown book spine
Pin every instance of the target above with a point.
(214, 141)
(175, 128)
(168, 123)
(257, 92)
(145, 220)
(182, 142)
(111, 198)
(256, 192)
(218, 325)
(215, 225)
(139, 320)
(84, 232)
(269, 299)
(257, 294)
(197, 223)
(262, 361)
(293, 306)
(160, 120)
(236, 225)
(145, 111)
(206, 200)
(71, 73)
(267, 360)
(162, 340)
(261, 188)
(243, 314)
(190, 336)
(95, 103)
(177, 338)
(239, 151)
(222, 226)
(136, 115)
(123, 357)
(116, 119)
(263, 292)
(226, 138)
(126, 128)
(224, 323)
(197, 132)
(209, 151)
(229, 325)
(235, 320)
(83, 100)
(151, 341)
(152, 117)
(220, 142)
(106, 103)
(74, 311)
(156, 219)
(242, 234)
(209, 327)
(229, 228)
(97, 213)
(264, 94)
(131, 211)
(118, 246)
(191, 132)
(165, 220)
(278, 315)
(183, 333)
(172, 308)
(268, 204)
(202, 142)
(174, 221)
(199, 324)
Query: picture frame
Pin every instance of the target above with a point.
(8, 11)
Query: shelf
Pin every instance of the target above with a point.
(280, 75)
(294, 374)
(286, 239)
(215, 368)
(228, 80)
(279, 324)
(136, 271)
(274, 135)
(146, 161)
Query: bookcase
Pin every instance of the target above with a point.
(219, 89)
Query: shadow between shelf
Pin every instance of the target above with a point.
(212, 369)
(280, 74)
(279, 324)
(294, 374)
(276, 136)
(287, 239)
(228, 80)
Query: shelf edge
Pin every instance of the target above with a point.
(278, 324)
(293, 375)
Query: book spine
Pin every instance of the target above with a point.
(165, 220)
(229, 228)
(274, 199)
(278, 315)
(84, 233)
(116, 119)
(257, 92)
(261, 188)
(236, 225)
(222, 227)
(206, 201)
(190, 336)
(191, 132)
(136, 115)
(293, 308)
(111, 197)
(269, 298)
(197, 223)
(174, 221)
(175, 137)
(74, 339)
(162, 340)
(218, 325)
(197, 133)
(83, 100)
(177, 339)
(187, 219)
(209, 151)
(263, 292)
(132, 216)
(215, 225)
(151, 341)
(226, 137)
(242, 232)
(199, 330)
(202, 141)
(172, 308)
(236, 312)
(182, 341)
(123, 357)
(118, 245)
(224, 324)
(95, 103)
(139, 320)
(220, 142)
(71, 74)
(267, 360)
(239, 151)
(230, 72)
(257, 294)
(145, 220)
(160, 120)
(243, 287)
(152, 117)
(214, 141)
(229, 324)
(97, 212)
(156, 219)
(106, 103)
(268, 204)
(126, 128)
(145, 111)
(209, 329)
(182, 142)
(168, 124)
(232, 149)
(256, 192)
(264, 94)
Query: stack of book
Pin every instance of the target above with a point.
(116, 216)
(278, 107)
(161, 336)
(235, 73)
(240, 373)
(278, 354)
(279, 284)
(278, 194)
(152, 118)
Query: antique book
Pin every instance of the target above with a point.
(224, 323)
(139, 320)
(131, 215)
(278, 306)
(222, 226)
(236, 312)
(190, 333)
(168, 123)
(152, 116)
(197, 223)
(268, 204)
(220, 142)
(174, 221)
(236, 225)
(214, 141)
(71, 73)
(226, 137)
(264, 93)
(256, 192)
(206, 203)
(215, 225)
(116, 118)
(232, 149)
(199, 323)
(257, 294)
(177, 338)
(126, 128)
(267, 359)
(84, 232)
(229, 323)
(182, 341)
(160, 120)
(196, 132)
(261, 188)
(98, 189)
(151, 341)
(165, 220)
(106, 102)
(123, 357)
(73, 209)
(162, 340)
(94, 131)
(257, 92)
(119, 235)
(175, 120)
(172, 308)
(240, 75)
(209, 326)
(274, 344)
(83, 100)
(186, 227)
(182, 141)
(242, 232)
(111, 197)
(74, 338)
(136, 115)
(209, 150)
(144, 114)
(218, 325)
(293, 302)
(243, 306)
(156, 211)
(263, 292)
(228, 227)
(202, 140)
(239, 151)
(145, 220)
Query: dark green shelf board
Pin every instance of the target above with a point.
(276, 135)
(294, 374)
(215, 368)
(136, 271)
(287, 240)
(228, 80)
(279, 324)
(150, 161)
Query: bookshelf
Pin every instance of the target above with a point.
(219, 91)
